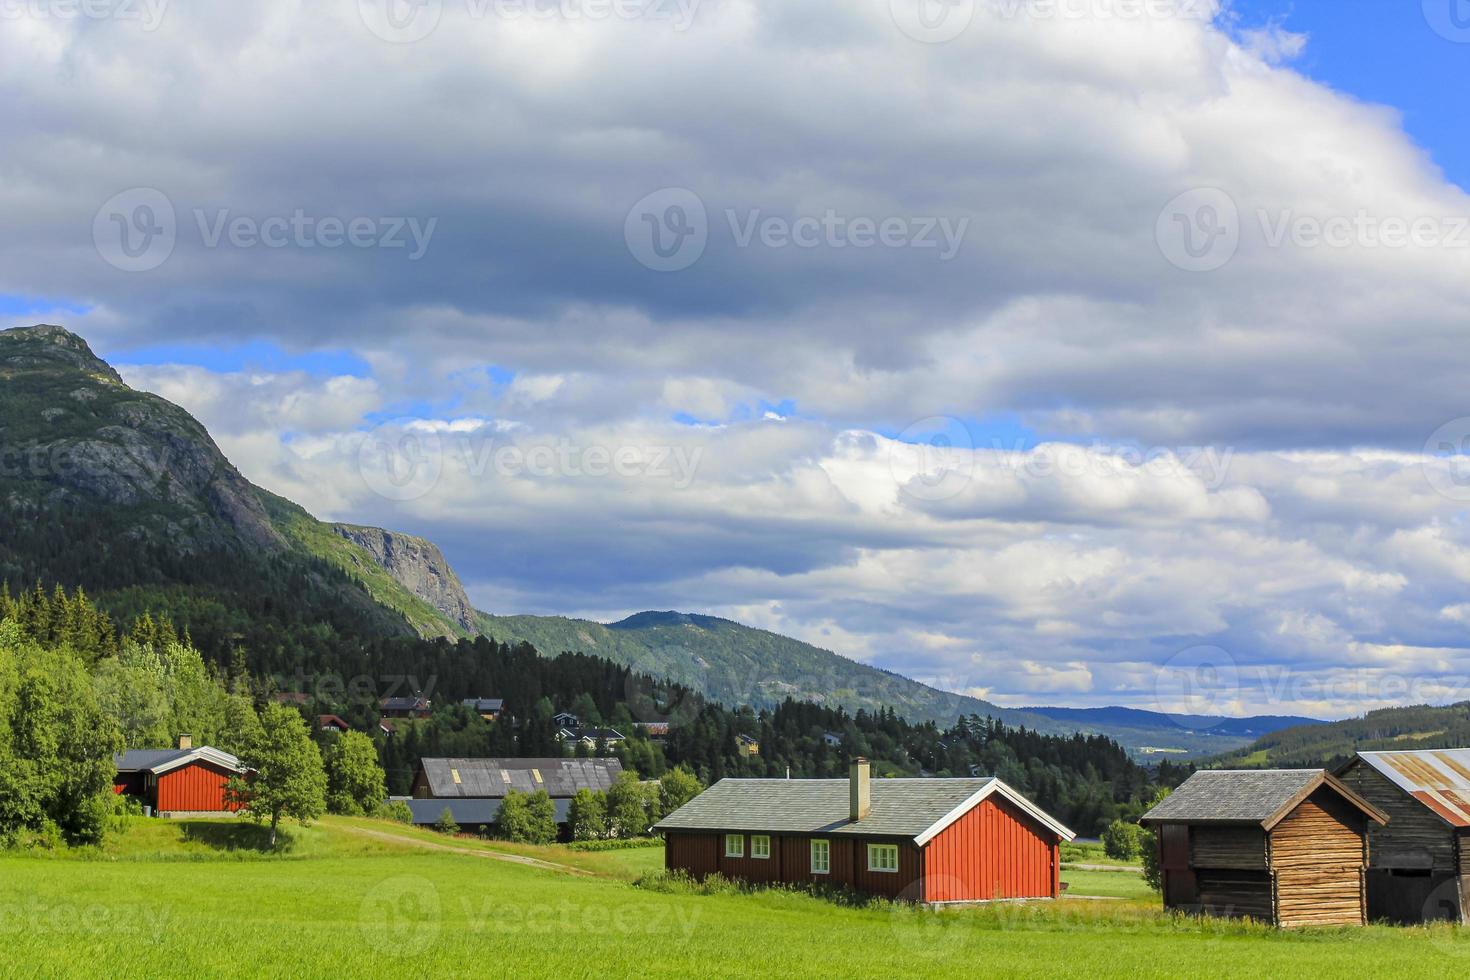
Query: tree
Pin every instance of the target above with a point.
(356, 784)
(1120, 841)
(287, 778)
(677, 787)
(1149, 848)
(628, 806)
(587, 815)
(445, 824)
(526, 818)
(542, 812)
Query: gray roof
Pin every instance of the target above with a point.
(490, 778)
(142, 760)
(466, 812)
(484, 704)
(1249, 796)
(912, 808)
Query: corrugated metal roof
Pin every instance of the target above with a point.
(900, 807)
(1437, 778)
(1250, 796)
(491, 778)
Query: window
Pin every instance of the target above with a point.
(734, 846)
(760, 846)
(883, 857)
(821, 857)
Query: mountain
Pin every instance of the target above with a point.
(126, 494)
(1216, 726)
(419, 566)
(1416, 727)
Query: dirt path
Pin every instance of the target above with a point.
(529, 862)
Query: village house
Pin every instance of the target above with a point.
(1419, 863)
(591, 737)
(408, 707)
(1284, 846)
(332, 723)
(177, 781)
(487, 708)
(472, 789)
(565, 719)
(923, 840)
(748, 745)
(654, 731)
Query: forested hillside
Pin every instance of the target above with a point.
(1418, 727)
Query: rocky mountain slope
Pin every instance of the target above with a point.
(419, 566)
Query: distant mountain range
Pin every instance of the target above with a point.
(1388, 729)
(126, 493)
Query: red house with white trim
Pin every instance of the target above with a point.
(925, 840)
(182, 780)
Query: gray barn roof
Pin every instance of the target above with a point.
(469, 812)
(490, 778)
(1252, 797)
(912, 808)
(142, 760)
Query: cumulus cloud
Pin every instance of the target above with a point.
(1120, 231)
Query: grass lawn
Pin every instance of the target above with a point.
(193, 899)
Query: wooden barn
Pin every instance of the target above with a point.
(1285, 846)
(922, 840)
(1419, 863)
(182, 780)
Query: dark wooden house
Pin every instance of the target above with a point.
(922, 840)
(1419, 863)
(1285, 846)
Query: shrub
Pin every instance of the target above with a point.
(1120, 841)
(397, 811)
(445, 824)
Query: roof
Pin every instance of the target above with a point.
(471, 811)
(491, 778)
(592, 734)
(1249, 797)
(913, 808)
(158, 761)
(334, 720)
(484, 704)
(1437, 778)
(404, 704)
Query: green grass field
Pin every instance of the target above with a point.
(351, 898)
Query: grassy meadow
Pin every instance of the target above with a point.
(351, 898)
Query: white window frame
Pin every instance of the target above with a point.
(824, 848)
(882, 852)
(758, 843)
(737, 841)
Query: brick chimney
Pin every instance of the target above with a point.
(860, 792)
(186, 741)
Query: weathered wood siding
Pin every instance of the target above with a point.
(1414, 838)
(1318, 857)
(1234, 848)
(994, 851)
(1234, 893)
(701, 854)
(692, 853)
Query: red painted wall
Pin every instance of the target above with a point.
(199, 786)
(994, 851)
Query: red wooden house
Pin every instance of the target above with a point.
(923, 840)
(182, 780)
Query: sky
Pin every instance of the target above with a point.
(1077, 352)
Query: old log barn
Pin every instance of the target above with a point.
(923, 840)
(1285, 846)
(182, 780)
(1419, 864)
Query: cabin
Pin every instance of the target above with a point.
(413, 707)
(748, 745)
(565, 719)
(178, 781)
(487, 708)
(928, 841)
(654, 731)
(332, 723)
(591, 737)
(1419, 863)
(1284, 846)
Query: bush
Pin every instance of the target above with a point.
(616, 844)
(1120, 841)
(395, 810)
(445, 824)
(682, 883)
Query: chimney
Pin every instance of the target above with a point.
(186, 741)
(860, 791)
